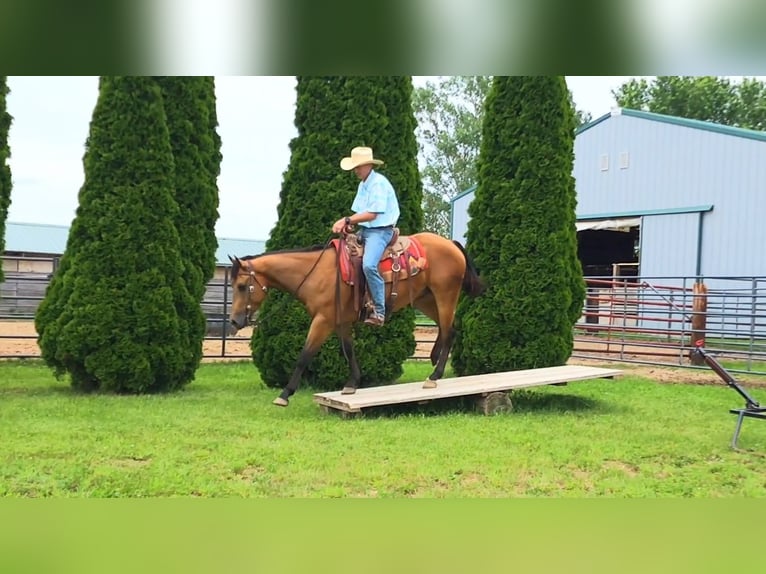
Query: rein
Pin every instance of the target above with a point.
(314, 266)
(252, 279)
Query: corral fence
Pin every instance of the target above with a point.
(651, 320)
(658, 320)
(26, 279)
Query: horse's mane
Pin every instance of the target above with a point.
(311, 249)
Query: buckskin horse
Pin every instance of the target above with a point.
(423, 270)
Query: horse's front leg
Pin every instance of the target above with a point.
(347, 347)
(319, 330)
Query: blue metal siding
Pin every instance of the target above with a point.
(460, 216)
(669, 245)
(676, 166)
(673, 165)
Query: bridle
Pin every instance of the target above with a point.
(252, 281)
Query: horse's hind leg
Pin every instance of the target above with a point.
(446, 302)
(427, 304)
(347, 347)
(319, 330)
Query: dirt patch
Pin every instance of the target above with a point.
(670, 374)
(630, 470)
(130, 462)
(424, 341)
(19, 339)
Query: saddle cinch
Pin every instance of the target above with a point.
(403, 257)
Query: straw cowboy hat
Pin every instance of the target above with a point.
(359, 156)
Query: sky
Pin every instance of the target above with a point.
(51, 117)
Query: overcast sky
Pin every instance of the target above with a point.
(51, 117)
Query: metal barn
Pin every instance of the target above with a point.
(672, 202)
(667, 195)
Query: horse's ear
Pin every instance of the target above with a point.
(232, 259)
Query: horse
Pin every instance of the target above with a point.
(313, 277)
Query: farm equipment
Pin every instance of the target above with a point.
(751, 409)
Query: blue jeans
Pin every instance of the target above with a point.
(375, 242)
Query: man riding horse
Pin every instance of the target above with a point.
(376, 212)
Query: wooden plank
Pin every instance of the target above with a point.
(460, 386)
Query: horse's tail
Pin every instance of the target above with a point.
(472, 283)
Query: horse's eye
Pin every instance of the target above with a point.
(241, 288)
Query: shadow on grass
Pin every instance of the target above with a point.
(522, 401)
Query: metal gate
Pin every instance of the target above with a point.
(657, 320)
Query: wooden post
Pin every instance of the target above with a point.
(699, 320)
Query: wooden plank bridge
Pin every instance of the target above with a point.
(491, 390)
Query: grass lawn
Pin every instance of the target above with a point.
(222, 437)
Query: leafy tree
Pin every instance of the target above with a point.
(580, 116)
(521, 232)
(110, 317)
(450, 112)
(334, 114)
(707, 98)
(5, 169)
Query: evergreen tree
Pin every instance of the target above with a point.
(110, 317)
(521, 232)
(5, 169)
(188, 102)
(333, 115)
(192, 122)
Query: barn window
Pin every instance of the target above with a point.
(624, 160)
(604, 162)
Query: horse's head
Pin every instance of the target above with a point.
(248, 292)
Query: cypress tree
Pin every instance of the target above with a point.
(521, 232)
(188, 103)
(5, 169)
(110, 318)
(192, 122)
(334, 114)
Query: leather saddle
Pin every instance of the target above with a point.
(403, 257)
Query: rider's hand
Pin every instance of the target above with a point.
(339, 225)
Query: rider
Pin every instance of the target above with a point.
(376, 211)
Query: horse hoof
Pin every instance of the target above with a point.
(348, 391)
(280, 402)
(429, 384)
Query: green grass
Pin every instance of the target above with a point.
(222, 437)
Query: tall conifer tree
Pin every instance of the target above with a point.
(192, 122)
(110, 317)
(334, 114)
(189, 103)
(521, 232)
(5, 169)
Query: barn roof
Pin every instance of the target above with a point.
(674, 120)
(651, 116)
(46, 239)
